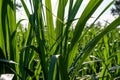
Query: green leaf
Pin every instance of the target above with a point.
(51, 72)
(108, 6)
(50, 25)
(86, 51)
(25, 8)
(87, 13)
(8, 61)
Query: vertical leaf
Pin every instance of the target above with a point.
(87, 13)
(50, 25)
(51, 73)
(2, 45)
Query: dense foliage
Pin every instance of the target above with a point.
(116, 9)
(60, 51)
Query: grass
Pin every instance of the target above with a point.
(102, 58)
(58, 52)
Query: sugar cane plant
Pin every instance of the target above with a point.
(48, 51)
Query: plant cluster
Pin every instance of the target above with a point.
(45, 51)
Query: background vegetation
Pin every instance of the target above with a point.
(116, 9)
(45, 51)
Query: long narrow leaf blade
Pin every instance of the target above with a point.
(94, 41)
(53, 60)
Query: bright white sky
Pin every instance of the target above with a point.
(105, 17)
